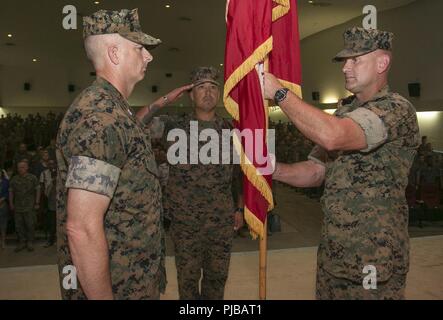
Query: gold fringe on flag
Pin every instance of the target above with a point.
(280, 10)
(250, 171)
(247, 66)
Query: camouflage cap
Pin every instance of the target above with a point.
(359, 41)
(204, 74)
(125, 22)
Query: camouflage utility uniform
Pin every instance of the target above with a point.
(24, 189)
(364, 205)
(102, 148)
(199, 201)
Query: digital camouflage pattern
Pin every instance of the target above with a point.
(25, 191)
(359, 41)
(102, 148)
(329, 287)
(364, 205)
(205, 74)
(25, 226)
(125, 22)
(199, 201)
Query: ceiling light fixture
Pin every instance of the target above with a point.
(320, 3)
(34, 60)
(167, 6)
(9, 35)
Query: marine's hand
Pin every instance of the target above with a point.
(146, 114)
(238, 220)
(176, 94)
(271, 85)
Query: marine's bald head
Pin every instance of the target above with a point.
(98, 46)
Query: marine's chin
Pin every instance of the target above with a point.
(350, 87)
(142, 75)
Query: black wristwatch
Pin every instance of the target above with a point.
(280, 95)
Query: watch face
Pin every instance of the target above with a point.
(280, 95)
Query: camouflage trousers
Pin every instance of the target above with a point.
(202, 255)
(329, 287)
(25, 225)
(151, 291)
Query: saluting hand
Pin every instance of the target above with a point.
(176, 94)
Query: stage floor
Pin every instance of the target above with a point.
(290, 275)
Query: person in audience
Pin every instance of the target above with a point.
(48, 180)
(24, 199)
(22, 154)
(4, 206)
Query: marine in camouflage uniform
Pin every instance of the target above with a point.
(365, 210)
(366, 214)
(103, 148)
(200, 201)
(24, 188)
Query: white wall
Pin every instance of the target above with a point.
(418, 58)
(418, 55)
(49, 86)
(431, 125)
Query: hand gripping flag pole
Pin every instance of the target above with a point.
(261, 34)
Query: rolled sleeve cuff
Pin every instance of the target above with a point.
(316, 160)
(318, 155)
(373, 127)
(92, 175)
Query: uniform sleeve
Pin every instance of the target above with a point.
(374, 128)
(386, 120)
(319, 155)
(156, 128)
(170, 123)
(36, 182)
(97, 154)
(11, 185)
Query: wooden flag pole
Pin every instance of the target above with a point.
(263, 261)
(264, 239)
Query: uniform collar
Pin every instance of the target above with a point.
(193, 116)
(380, 93)
(105, 84)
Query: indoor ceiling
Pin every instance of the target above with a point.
(193, 31)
